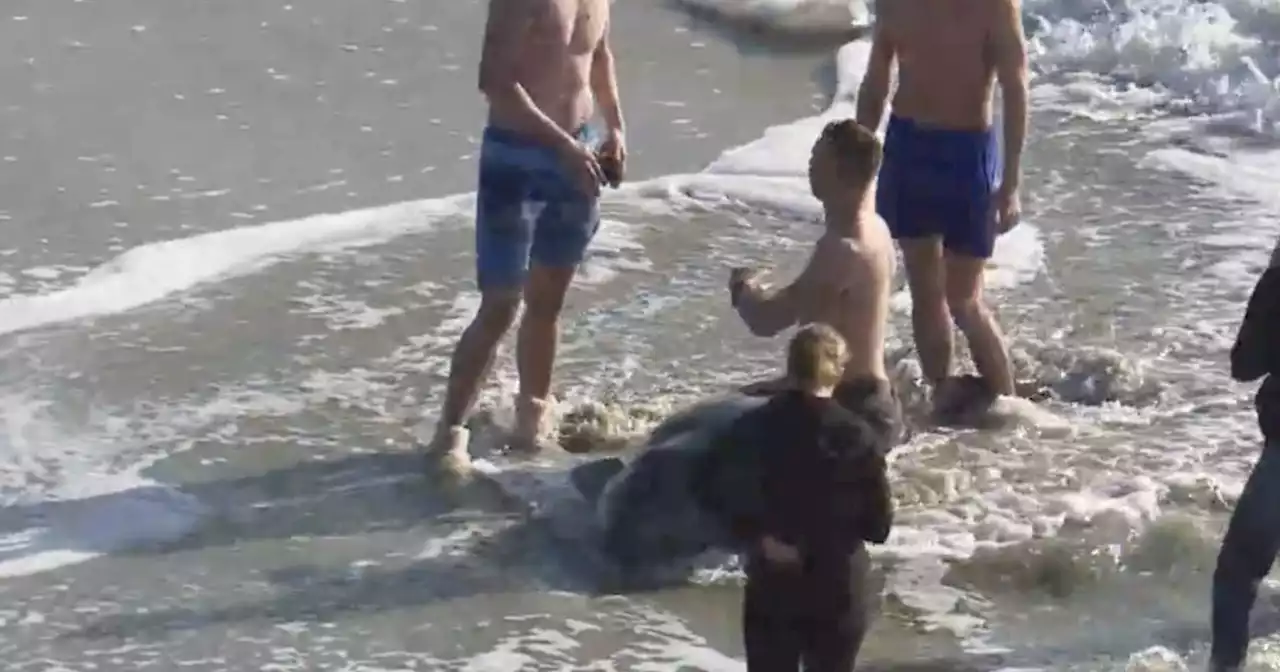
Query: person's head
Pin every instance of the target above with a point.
(816, 358)
(844, 161)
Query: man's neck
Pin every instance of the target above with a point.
(844, 217)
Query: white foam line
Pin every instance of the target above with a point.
(768, 173)
(151, 272)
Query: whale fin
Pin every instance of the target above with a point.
(589, 479)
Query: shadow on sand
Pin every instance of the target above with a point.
(356, 494)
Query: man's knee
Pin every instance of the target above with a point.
(967, 309)
(497, 312)
(545, 291)
(543, 307)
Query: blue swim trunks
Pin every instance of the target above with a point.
(940, 182)
(528, 208)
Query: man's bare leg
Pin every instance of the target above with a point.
(930, 317)
(469, 366)
(964, 277)
(536, 345)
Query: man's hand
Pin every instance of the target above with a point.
(584, 167)
(739, 280)
(613, 157)
(777, 553)
(1006, 208)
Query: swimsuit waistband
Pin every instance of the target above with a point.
(921, 129)
(505, 136)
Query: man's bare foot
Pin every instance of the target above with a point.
(532, 432)
(447, 458)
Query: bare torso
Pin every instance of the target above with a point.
(556, 61)
(946, 71)
(858, 270)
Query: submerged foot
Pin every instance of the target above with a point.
(531, 434)
(446, 457)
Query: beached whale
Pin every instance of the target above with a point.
(645, 510)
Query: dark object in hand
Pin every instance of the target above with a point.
(612, 169)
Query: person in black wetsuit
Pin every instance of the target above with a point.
(823, 492)
(1253, 535)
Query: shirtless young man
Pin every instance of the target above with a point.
(941, 189)
(544, 66)
(847, 281)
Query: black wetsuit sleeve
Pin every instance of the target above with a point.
(1255, 353)
(859, 500)
(877, 502)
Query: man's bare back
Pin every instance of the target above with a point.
(947, 57)
(852, 280)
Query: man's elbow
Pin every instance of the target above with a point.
(759, 321)
(761, 330)
(764, 328)
(873, 91)
(1015, 83)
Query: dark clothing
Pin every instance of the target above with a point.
(876, 402)
(1253, 536)
(781, 631)
(823, 486)
(1256, 352)
(1248, 551)
(823, 489)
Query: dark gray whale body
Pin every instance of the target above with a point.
(645, 510)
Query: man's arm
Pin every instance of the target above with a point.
(767, 312)
(815, 292)
(873, 93)
(878, 503)
(504, 34)
(604, 84)
(1010, 47)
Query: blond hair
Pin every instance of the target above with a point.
(816, 357)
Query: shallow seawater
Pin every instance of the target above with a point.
(207, 444)
(313, 526)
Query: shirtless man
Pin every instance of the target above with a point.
(847, 281)
(941, 189)
(545, 64)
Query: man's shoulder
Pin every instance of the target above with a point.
(872, 248)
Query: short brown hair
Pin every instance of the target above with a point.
(857, 150)
(816, 356)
